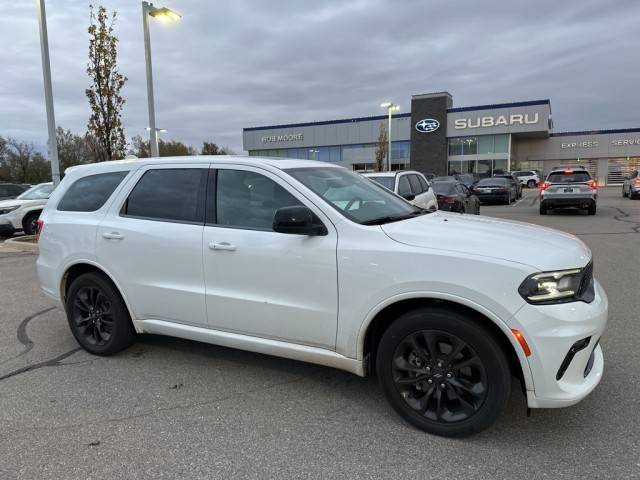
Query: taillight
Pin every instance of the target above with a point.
(593, 184)
(39, 228)
(637, 181)
(544, 185)
(502, 189)
(448, 200)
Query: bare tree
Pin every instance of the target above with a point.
(72, 149)
(381, 148)
(105, 133)
(24, 164)
(211, 148)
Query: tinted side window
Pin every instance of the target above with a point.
(423, 183)
(249, 200)
(88, 194)
(172, 194)
(403, 186)
(415, 184)
(4, 191)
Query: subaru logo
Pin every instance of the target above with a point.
(427, 125)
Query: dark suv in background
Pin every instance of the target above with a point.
(9, 191)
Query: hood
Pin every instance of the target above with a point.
(540, 247)
(13, 202)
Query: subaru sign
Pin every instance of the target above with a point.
(427, 125)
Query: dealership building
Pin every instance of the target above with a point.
(436, 137)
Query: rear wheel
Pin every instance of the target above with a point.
(592, 209)
(29, 223)
(442, 372)
(531, 184)
(507, 200)
(97, 315)
(543, 209)
(624, 194)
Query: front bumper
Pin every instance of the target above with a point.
(551, 331)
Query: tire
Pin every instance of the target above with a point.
(89, 296)
(29, 225)
(531, 184)
(415, 341)
(624, 194)
(592, 209)
(507, 200)
(543, 209)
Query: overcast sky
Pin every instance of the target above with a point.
(239, 63)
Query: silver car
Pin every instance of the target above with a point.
(569, 188)
(631, 185)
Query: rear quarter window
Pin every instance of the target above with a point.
(90, 193)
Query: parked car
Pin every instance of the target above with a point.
(569, 188)
(10, 190)
(429, 176)
(527, 177)
(411, 185)
(631, 185)
(316, 263)
(454, 196)
(468, 179)
(495, 189)
(21, 213)
(514, 181)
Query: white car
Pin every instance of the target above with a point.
(528, 177)
(316, 263)
(410, 185)
(21, 213)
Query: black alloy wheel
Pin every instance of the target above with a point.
(93, 316)
(30, 223)
(97, 315)
(439, 376)
(443, 372)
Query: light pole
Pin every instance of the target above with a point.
(163, 14)
(391, 107)
(48, 93)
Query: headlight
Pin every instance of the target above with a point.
(4, 210)
(561, 286)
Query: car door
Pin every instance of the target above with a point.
(421, 198)
(259, 282)
(151, 242)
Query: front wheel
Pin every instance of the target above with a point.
(442, 372)
(97, 315)
(531, 184)
(30, 223)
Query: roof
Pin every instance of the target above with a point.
(130, 164)
(328, 122)
(494, 106)
(595, 132)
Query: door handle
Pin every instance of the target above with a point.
(222, 246)
(112, 236)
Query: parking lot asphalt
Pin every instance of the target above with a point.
(169, 408)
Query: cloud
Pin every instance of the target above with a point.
(229, 65)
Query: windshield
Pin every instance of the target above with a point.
(354, 196)
(569, 176)
(386, 182)
(443, 188)
(39, 192)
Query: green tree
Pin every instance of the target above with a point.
(382, 146)
(104, 130)
(210, 148)
(72, 149)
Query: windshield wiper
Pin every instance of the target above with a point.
(394, 218)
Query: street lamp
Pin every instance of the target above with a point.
(162, 14)
(391, 107)
(48, 93)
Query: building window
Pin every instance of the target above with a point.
(470, 146)
(455, 146)
(485, 144)
(501, 144)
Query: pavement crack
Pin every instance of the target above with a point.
(53, 362)
(621, 218)
(23, 338)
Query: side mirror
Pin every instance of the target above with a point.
(297, 220)
(409, 196)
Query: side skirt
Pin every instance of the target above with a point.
(304, 353)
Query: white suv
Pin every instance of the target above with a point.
(528, 177)
(22, 212)
(410, 185)
(316, 263)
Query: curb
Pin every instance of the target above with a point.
(22, 244)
